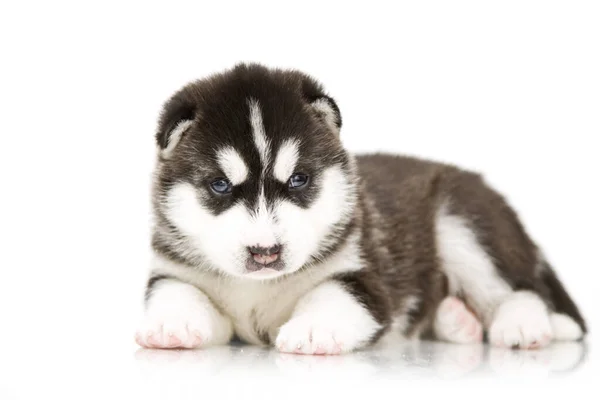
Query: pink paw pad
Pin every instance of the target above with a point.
(173, 341)
(152, 341)
(197, 340)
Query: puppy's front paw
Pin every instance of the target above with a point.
(303, 335)
(176, 330)
(180, 316)
(309, 335)
(327, 320)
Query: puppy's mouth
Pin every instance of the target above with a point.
(264, 260)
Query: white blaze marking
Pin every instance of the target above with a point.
(286, 160)
(232, 165)
(258, 132)
(262, 232)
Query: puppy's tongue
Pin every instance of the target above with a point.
(264, 259)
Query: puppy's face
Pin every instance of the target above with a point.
(252, 177)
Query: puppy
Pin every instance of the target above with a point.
(267, 230)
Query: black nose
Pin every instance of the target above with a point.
(264, 251)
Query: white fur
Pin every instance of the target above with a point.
(175, 136)
(269, 303)
(222, 240)
(454, 323)
(217, 238)
(258, 132)
(468, 266)
(327, 320)
(285, 162)
(564, 328)
(179, 315)
(233, 165)
(329, 114)
(522, 320)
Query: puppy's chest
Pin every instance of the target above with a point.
(257, 309)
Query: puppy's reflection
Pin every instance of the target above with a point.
(558, 358)
(407, 359)
(180, 365)
(335, 366)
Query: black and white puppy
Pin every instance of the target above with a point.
(267, 229)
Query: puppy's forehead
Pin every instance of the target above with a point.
(253, 124)
(263, 149)
(234, 119)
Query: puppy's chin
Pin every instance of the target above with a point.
(268, 273)
(264, 274)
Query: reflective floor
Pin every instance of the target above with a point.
(120, 369)
(416, 360)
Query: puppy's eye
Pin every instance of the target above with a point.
(221, 186)
(297, 181)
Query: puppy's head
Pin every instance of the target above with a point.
(251, 175)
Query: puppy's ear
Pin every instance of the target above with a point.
(328, 111)
(176, 118)
(323, 105)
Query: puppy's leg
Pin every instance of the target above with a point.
(178, 315)
(492, 263)
(327, 320)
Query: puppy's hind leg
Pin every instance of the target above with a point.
(512, 318)
(521, 321)
(490, 261)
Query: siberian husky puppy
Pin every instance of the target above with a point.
(267, 230)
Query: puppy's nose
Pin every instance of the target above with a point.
(265, 255)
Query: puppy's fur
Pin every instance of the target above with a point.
(368, 245)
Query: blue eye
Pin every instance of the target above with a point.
(297, 181)
(221, 186)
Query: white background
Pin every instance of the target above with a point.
(509, 88)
